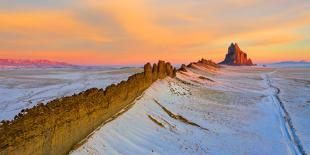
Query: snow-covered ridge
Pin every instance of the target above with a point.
(236, 111)
(55, 127)
(204, 110)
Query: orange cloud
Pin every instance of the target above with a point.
(134, 31)
(47, 27)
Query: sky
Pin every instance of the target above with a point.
(101, 32)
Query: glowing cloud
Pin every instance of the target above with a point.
(135, 31)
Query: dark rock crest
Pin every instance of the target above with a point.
(202, 63)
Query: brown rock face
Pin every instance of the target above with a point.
(236, 56)
(148, 74)
(56, 127)
(161, 69)
(155, 72)
(169, 69)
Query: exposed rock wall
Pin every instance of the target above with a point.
(236, 56)
(56, 127)
(202, 62)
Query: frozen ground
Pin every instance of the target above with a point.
(24, 88)
(294, 90)
(234, 110)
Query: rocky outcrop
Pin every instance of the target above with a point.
(56, 127)
(236, 56)
(183, 68)
(202, 63)
(208, 63)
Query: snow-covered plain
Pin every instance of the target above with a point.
(24, 88)
(233, 110)
(294, 87)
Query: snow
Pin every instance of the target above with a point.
(239, 112)
(24, 88)
(294, 86)
(232, 110)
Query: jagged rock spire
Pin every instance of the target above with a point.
(236, 56)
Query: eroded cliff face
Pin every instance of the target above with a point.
(236, 56)
(56, 127)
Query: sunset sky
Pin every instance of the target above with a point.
(97, 32)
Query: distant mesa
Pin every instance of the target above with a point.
(301, 63)
(236, 56)
(17, 63)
